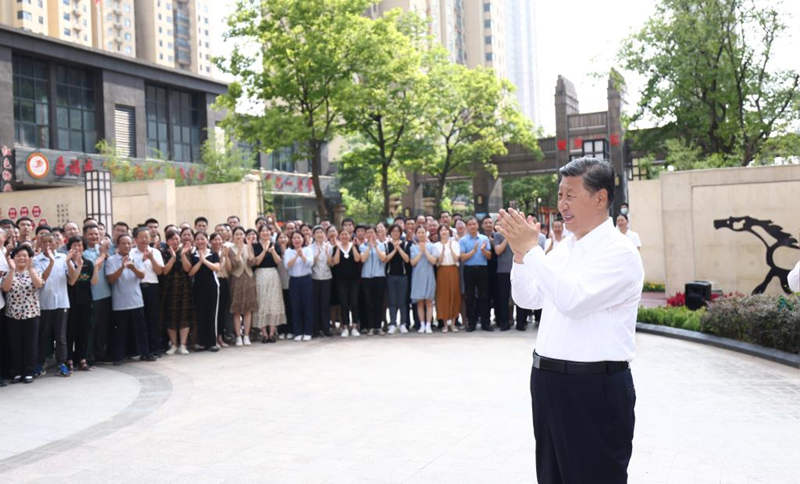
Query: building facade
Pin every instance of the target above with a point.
(521, 54)
(66, 98)
(30, 15)
(114, 26)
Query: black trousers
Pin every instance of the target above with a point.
(321, 293)
(348, 299)
(205, 308)
(23, 342)
(583, 425)
(53, 326)
(301, 295)
(373, 291)
(125, 321)
(287, 307)
(152, 317)
(79, 327)
(476, 290)
(102, 346)
(224, 317)
(502, 296)
(3, 342)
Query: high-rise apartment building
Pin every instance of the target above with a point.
(428, 9)
(174, 33)
(485, 34)
(114, 26)
(70, 20)
(28, 15)
(521, 54)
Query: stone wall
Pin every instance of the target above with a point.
(690, 212)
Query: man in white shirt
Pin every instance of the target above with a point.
(153, 264)
(589, 289)
(794, 278)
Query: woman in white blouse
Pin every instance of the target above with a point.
(622, 225)
(299, 260)
(448, 285)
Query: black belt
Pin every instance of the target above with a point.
(578, 367)
(148, 284)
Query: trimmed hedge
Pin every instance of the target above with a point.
(770, 321)
(674, 317)
(653, 287)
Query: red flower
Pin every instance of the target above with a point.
(201, 176)
(679, 299)
(183, 173)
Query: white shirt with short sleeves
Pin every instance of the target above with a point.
(150, 276)
(589, 292)
(794, 278)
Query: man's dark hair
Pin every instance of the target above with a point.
(348, 219)
(443, 212)
(200, 219)
(139, 229)
(121, 224)
(89, 226)
(233, 216)
(42, 227)
(151, 221)
(597, 174)
(24, 218)
(89, 219)
(6, 221)
(399, 217)
(57, 229)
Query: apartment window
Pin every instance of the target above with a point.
(41, 3)
(67, 32)
(169, 45)
(66, 16)
(41, 20)
(161, 43)
(23, 15)
(160, 30)
(487, 24)
(127, 22)
(159, 16)
(109, 17)
(128, 50)
(206, 32)
(174, 120)
(170, 58)
(488, 39)
(66, 2)
(169, 6)
(110, 45)
(206, 20)
(126, 8)
(169, 31)
(160, 56)
(487, 7)
(281, 159)
(31, 103)
(127, 36)
(488, 56)
(75, 109)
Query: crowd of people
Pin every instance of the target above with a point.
(89, 295)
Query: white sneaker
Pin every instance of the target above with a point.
(421, 328)
(345, 334)
(392, 329)
(428, 329)
(403, 329)
(354, 332)
(307, 337)
(290, 336)
(238, 341)
(246, 341)
(172, 349)
(182, 350)
(298, 338)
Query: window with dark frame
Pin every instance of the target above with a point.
(597, 148)
(75, 110)
(31, 103)
(174, 124)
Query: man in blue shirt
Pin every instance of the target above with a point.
(475, 254)
(97, 250)
(124, 273)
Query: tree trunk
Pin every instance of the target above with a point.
(385, 188)
(315, 148)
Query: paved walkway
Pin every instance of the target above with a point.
(414, 409)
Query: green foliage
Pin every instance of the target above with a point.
(708, 71)
(653, 287)
(771, 321)
(470, 117)
(682, 156)
(224, 162)
(777, 148)
(360, 183)
(527, 189)
(292, 59)
(383, 107)
(674, 317)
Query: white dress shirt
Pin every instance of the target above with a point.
(448, 260)
(589, 292)
(794, 278)
(634, 238)
(150, 276)
(53, 295)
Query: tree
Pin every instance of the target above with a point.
(470, 117)
(292, 59)
(527, 189)
(224, 161)
(709, 73)
(384, 106)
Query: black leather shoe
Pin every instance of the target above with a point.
(487, 328)
(148, 358)
(214, 348)
(470, 329)
(28, 379)
(521, 328)
(3, 382)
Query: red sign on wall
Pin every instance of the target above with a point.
(12, 213)
(23, 211)
(36, 211)
(562, 144)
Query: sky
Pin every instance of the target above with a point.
(579, 38)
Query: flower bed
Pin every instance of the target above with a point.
(770, 321)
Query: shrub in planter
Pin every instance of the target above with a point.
(675, 317)
(653, 287)
(771, 321)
